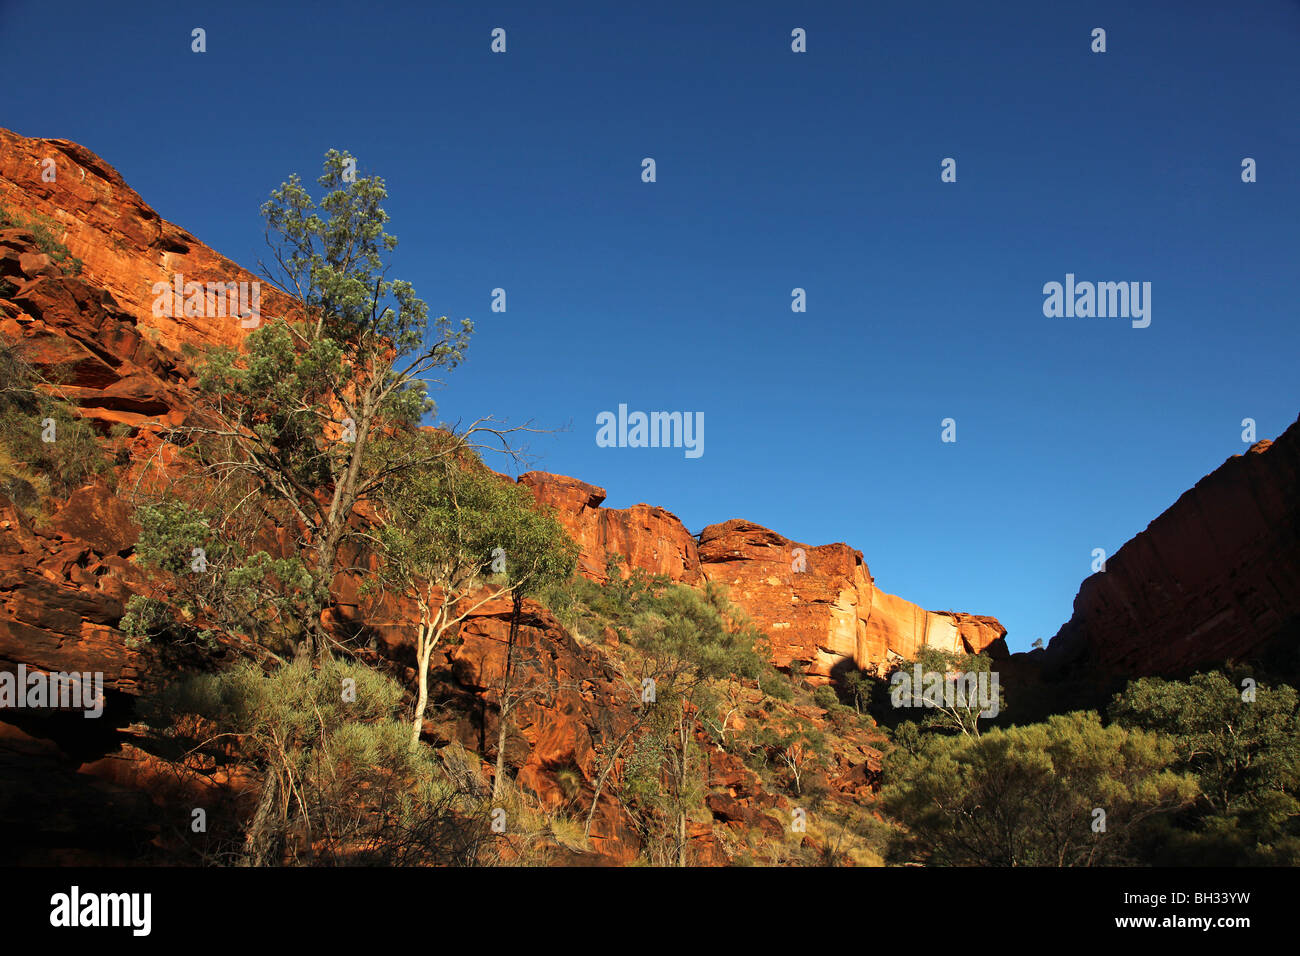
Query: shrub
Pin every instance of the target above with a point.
(43, 441)
(1244, 748)
(826, 698)
(340, 782)
(45, 230)
(1030, 796)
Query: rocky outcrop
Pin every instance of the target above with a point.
(124, 245)
(75, 333)
(63, 589)
(649, 538)
(820, 605)
(1214, 577)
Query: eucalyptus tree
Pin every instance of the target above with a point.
(456, 536)
(534, 553)
(287, 422)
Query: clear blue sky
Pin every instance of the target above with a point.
(776, 171)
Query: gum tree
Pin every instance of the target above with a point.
(684, 642)
(288, 422)
(958, 712)
(534, 553)
(1242, 741)
(441, 529)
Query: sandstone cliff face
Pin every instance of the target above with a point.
(65, 581)
(649, 538)
(820, 617)
(124, 245)
(821, 607)
(1214, 577)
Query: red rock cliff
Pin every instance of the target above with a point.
(64, 582)
(134, 371)
(1214, 577)
(820, 605)
(827, 612)
(647, 537)
(124, 245)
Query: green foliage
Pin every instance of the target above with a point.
(664, 779)
(334, 254)
(341, 784)
(45, 230)
(686, 631)
(700, 629)
(795, 748)
(687, 644)
(857, 687)
(455, 523)
(445, 529)
(211, 581)
(907, 739)
(30, 411)
(961, 716)
(1245, 754)
(778, 687)
(584, 605)
(826, 698)
(290, 421)
(276, 392)
(1028, 796)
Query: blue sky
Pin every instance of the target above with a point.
(777, 170)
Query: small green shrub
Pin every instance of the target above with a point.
(45, 230)
(43, 442)
(341, 784)
(826, 698)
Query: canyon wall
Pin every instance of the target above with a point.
(133, 367)
(819, 605)
(96, 790)
(1215, 577)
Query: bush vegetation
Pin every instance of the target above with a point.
(46, 448)
(45, 230)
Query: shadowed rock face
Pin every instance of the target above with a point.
(1214, 577)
